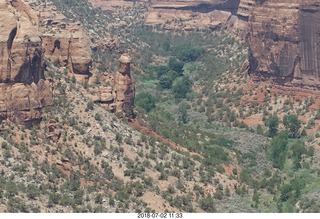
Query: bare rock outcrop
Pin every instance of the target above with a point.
(242, 17)
(124, 87)
(191, 15)
(21, 52)
(118, 96)
(65, 43)
(54, 132)
(284, 41)
(23, 89)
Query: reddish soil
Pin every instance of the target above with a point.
(268, 87)
(63, 169)
(136, 125)
(253, 120)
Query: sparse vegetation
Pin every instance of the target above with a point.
(198, 151)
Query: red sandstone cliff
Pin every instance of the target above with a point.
(180, 14)
(64, 43)
(284, 41)
(23, 89)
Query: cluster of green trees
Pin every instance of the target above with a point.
(280, 141)
(279, 147)
(145, 101)
(171, 76)
(291, 123)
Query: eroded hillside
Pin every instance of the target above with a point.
(202, 136)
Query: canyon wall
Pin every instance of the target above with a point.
(65, 43)
(283, 37)
(179, 14)
(23, 88)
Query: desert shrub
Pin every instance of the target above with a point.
(207, 204)
(176, 65)
(90, 106)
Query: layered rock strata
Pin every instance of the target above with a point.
(244, 11)
(179, 14)
(23, 88)
(284, 41)
(191, 15)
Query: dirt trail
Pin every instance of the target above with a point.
(135, 124)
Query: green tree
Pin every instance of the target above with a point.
(176, 65)
(297, 150)
(286, 192)
(98, 199)
(145, 101)
(292, 190)
(187, 53)
(32, 191)
(173, 74)
(53, 199)
(161, 70)
(166, 45)
(165, 82)
(183, 112)
(90, 106)
(181, 86)
(279, 147)
(292, 125)
(273, 124)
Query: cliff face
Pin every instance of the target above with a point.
(23, 89)
(21, 53)
(180, 14)
(71, 50)
(191, 15)
(64, 43)
(284, 41)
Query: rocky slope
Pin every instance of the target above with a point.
(68, 45)
(24, 90)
